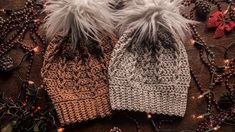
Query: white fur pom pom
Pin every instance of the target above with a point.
(82, 19)
(147, 17)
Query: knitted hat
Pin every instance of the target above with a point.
(149, 69)
(76, 60)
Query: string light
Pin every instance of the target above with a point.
(204, 115)
(2, 10)
(213, 129)
(192, 41)
(197, 44)
(36, 20)
(60, 129)
(36, 50)
(30, 82)
(226, 62)
(193, 97)
(149, 115)
(202, 95)
(216, 128)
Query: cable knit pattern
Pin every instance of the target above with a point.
(78, 89)
(141, 82)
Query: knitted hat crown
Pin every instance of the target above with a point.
(76, 60)
(149, 69)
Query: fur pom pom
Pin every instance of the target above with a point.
(83, 19)
(148, 17)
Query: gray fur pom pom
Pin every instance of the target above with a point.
(148, 17)
(82, 19)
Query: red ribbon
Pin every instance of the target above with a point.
(217, 20)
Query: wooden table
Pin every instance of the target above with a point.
(9, 84)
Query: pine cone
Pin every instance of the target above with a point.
(203, 9)
(6, 64)
(232, 15)
(227, 101)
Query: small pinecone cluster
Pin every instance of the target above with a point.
(203, 9)
(227, 100)
(232, 15)
(6, 64)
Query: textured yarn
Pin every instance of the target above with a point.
(148, 81)
(77, 82)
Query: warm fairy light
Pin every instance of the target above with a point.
(216, 128)
(60, 129)
(200, 117)
(226, 68)
(149, 116)
(36, 20)
(193, 97)
(213, 129)
(36, 50)
(39, 108)
(194, 116)
(226, 62)
(192, 41)
(31, 82)
(204, 115)
(202, 95)
(226, 11)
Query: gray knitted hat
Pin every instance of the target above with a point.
(149, 69)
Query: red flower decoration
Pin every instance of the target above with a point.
(217, 20)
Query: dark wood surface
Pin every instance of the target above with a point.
(9, 84)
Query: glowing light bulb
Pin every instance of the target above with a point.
(202, 95)
(149, 116)
(192, 41)
(60, 129)
(216, 128)
(193, 97)
(204, 115)
(36, 50)
(31, 82)
(226, 62)
(36, 20)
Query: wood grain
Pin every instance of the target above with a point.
(9, 84)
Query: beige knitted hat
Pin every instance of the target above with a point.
(76, 60)
(149, 69)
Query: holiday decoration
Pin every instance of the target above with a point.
(31, 111)
(218, 74)
(6, 64)
(75, 64)
(149, 69)
(217, 20)
(203, 9)
(25, 113)
(227, 101)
